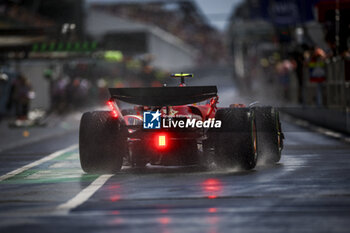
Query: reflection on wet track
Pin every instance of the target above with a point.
(310, 184)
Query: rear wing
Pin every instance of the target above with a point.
(163, 96)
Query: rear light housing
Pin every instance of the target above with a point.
(113, 109)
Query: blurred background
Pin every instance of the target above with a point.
(57, 56)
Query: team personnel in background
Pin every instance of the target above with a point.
(22, 95)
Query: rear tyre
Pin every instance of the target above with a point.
(235, 142)
(270, 136)
(102, 142)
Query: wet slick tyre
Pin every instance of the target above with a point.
(270, 137)
(235, 142)
(102, 142)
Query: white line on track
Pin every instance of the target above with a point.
(38, 162)
(84, 195)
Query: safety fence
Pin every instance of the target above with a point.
(335, 90)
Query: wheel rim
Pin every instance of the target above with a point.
(279, 138)
(255, 146)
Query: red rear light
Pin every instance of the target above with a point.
(161, 141)
(113, 109)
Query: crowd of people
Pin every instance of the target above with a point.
(76, 85)
(306, 67)
(82, 84)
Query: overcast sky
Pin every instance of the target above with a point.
(217, 11)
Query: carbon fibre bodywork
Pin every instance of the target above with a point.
(163, 96)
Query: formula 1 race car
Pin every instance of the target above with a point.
(177, 126)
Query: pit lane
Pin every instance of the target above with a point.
(308, 191)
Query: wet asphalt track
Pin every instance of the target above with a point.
(309, 191)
